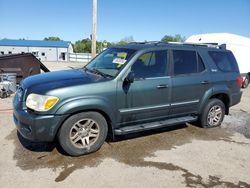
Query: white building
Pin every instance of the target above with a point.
(42, 49)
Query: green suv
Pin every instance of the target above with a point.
(128, 89)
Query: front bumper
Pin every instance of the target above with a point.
(42, 128)
(35, 127)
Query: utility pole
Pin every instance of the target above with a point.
(93, 36)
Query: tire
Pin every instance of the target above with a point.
(209, 117)
(83, 133)
(246, 82)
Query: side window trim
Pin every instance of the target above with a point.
(197, 61)
(204, 65)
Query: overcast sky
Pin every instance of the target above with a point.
(142, 19)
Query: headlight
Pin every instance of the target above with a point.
(40, 102)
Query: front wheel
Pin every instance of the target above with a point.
(83, 133)
(213, 114)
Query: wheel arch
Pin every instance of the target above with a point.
(224, 98)
(219, 93)
(89, 105)
(103, 113)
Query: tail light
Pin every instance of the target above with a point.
(239, 81)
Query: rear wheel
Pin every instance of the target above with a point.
(213, 114)
(83, 133)
(246, 82)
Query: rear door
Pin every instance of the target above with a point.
(190, 80)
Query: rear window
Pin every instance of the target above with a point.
(225, 61)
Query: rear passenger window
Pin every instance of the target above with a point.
(187, 62)
(225, 61)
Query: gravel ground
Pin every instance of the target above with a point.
(180, 156)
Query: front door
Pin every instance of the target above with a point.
(148, 97)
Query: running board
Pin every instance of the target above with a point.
(154, 125)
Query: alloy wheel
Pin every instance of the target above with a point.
(84, 133)
(214, 116)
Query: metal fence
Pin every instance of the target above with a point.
(80, 57)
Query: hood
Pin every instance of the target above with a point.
(48, 81)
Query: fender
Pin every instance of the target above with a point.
(87, 103)
(217, 89)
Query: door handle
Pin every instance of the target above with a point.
(162, 86)
(205, 82)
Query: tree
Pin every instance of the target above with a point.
(125, 40)
(176, 38)
(106, 44)
(52, 38)
(100, 46)
(82, 46)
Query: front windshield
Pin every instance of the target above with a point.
(110, 61)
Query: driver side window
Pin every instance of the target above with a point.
(150, 64)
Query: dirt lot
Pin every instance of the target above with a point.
(181, 156)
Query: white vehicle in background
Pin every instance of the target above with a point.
(239, 45)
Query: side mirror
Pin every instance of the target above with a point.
(130, 77)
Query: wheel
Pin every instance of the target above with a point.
(83, 133)
(213, 114)
(246, 82)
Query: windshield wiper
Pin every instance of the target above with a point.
(102, 73)
(96, 71)
(86, 69)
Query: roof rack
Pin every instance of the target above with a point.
(211, 45)
(148, 42)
